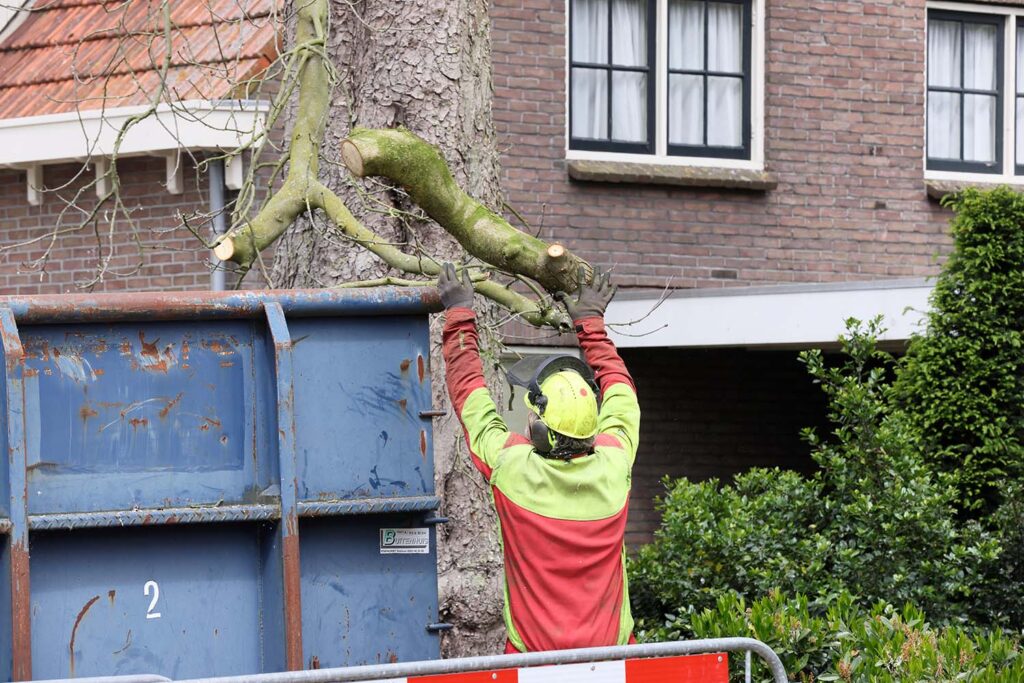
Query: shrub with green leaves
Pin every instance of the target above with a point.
(962, 381)
(873, 520)
(1003, 597)
(836, 639)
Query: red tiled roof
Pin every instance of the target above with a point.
(93, 54)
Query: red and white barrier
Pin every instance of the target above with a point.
(705, 668)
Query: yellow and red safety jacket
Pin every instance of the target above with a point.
(561, 522)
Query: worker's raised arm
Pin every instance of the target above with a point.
(486, 432)
(620, 410)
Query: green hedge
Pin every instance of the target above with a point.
(962, 382)
(836, 639)
(918, 499)
(873, 520)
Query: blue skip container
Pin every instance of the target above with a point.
(204, 484)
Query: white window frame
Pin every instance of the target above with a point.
(1009, 90)
(661, 156)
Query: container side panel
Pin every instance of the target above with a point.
(262, 413)
(360, 385)
(361, 605)
(179, 602)
(5, 465)
(6, 670)
(140, 415)
(273, 656)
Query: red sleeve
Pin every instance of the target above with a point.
(600, 354)
(464, 371)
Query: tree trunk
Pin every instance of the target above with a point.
(425, 66)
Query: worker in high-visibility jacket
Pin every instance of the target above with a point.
(561, 492)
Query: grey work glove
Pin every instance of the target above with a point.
(455, 293)
(591, 299)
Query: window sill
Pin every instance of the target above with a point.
(937, 189)
(663, 174)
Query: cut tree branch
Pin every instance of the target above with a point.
(404, 158)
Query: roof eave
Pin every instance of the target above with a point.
(196, 125)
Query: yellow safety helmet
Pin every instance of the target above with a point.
(562, 392)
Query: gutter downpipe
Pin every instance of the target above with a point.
(219, 220)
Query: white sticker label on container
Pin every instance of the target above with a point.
(404, 541)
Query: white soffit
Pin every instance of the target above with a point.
(784, 315)
(76, 136)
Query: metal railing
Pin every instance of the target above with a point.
(374, 672)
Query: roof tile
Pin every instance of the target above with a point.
(91, 54)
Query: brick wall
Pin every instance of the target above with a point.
(713, 413)
(170, 258)
(844, 135)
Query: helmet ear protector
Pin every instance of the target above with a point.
(531, 373)
(541, 437)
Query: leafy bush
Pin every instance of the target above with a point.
(1003, 599)
(746, 538)
(962, 381)
(873, 520)
(882, 521)
(838, 640)
(890, 521)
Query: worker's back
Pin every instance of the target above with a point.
(562, 528)
(562, 516)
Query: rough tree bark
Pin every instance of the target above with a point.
(424, 65)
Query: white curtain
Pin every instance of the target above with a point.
(973, 53)
(686, 34)
(1020, 61)
(590, 86)
(980, 110)
(725, 95)
(725, 54)
(944, 53)
(943, 125)
(1020, 131)
(725, 32)
(590, 103)
(590, 31)
(943, 108)
(686, 109)
(629, 88)
(1020, 102)
(725, 112)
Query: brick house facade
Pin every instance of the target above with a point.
(839, 202)
(831, 206)
(844, 132)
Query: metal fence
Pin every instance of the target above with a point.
(376, 672)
